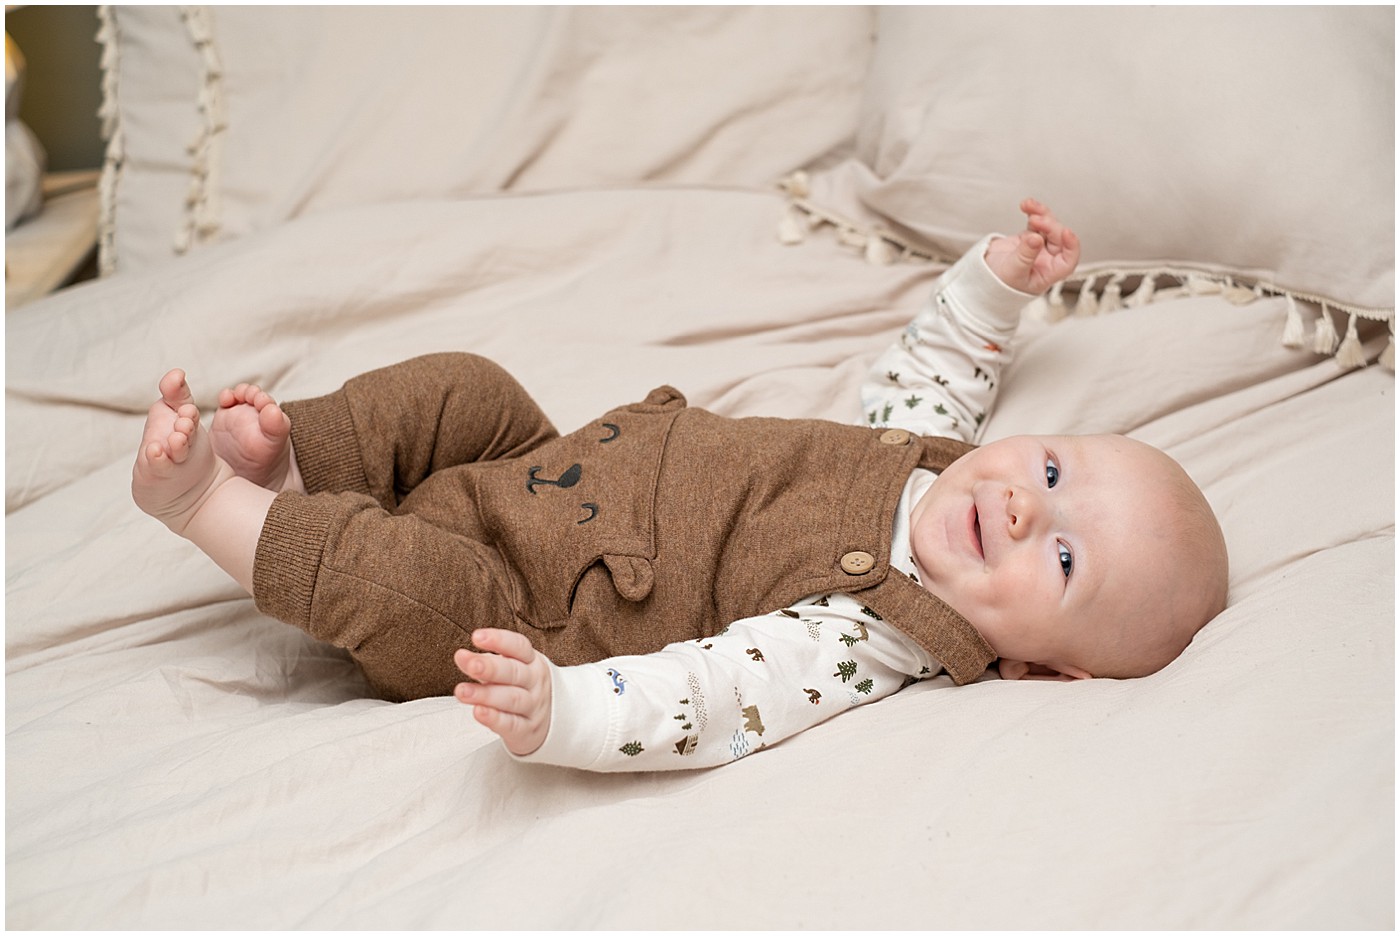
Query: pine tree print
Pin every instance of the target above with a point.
(912, 401)
(846, 669)
(631, 748)
(865, 686)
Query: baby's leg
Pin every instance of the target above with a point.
(253, 435)
(176, 467)
(180, 480)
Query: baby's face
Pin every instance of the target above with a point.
(1046, 544)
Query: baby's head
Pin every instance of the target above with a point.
(1074, 556)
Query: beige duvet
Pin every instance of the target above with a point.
(176, 760)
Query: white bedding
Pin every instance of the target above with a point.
(175, 760)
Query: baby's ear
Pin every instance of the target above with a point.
(1015, 669)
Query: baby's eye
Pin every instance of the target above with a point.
(1052, 473)
(1066, 558)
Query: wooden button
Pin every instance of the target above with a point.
(895, 437)
(857, 563)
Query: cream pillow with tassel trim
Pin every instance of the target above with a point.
(1239, 151)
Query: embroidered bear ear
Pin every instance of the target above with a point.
(631, 575)
(664, 397)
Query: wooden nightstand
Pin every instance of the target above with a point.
(58, 246)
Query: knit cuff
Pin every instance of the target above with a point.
(288, 555)
(327, 449)
(979, 295)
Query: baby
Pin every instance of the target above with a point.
(706, 601)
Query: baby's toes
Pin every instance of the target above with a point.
(154, 463)
(174, 390)
(273, 422)
(179, 443)
(154, 454)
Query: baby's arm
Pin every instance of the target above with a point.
(940, 378)
(695, 704)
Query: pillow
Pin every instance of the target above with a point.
(228, 120)
(1240, 142)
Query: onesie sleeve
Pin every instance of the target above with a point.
(707, 702)
(940, 377)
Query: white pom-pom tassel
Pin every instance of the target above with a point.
(1350, 355)
(1235, 294)
(852, 238)
(1144, 293)
(1112, 299)
(792, 229)
(1388, 355)
(1201, 286)
(1088, 303)
(797, 184)
(1055, 307)
(1293, 325)
(880, 252)
(1325, 333)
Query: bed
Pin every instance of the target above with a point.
(749, 204)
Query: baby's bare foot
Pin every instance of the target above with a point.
(253, 435)
(176, 468)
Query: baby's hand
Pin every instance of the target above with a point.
(512, 694)
(1037, 258)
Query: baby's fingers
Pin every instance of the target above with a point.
(492, 668)
(503, 698)
(506, 643)
(522, 735)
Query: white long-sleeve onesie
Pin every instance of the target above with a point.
(710, 701)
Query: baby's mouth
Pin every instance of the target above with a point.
(977, 532)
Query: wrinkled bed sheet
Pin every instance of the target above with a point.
(174, 759)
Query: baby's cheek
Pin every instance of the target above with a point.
(1020, 593)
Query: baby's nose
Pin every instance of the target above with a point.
(1023, 511)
